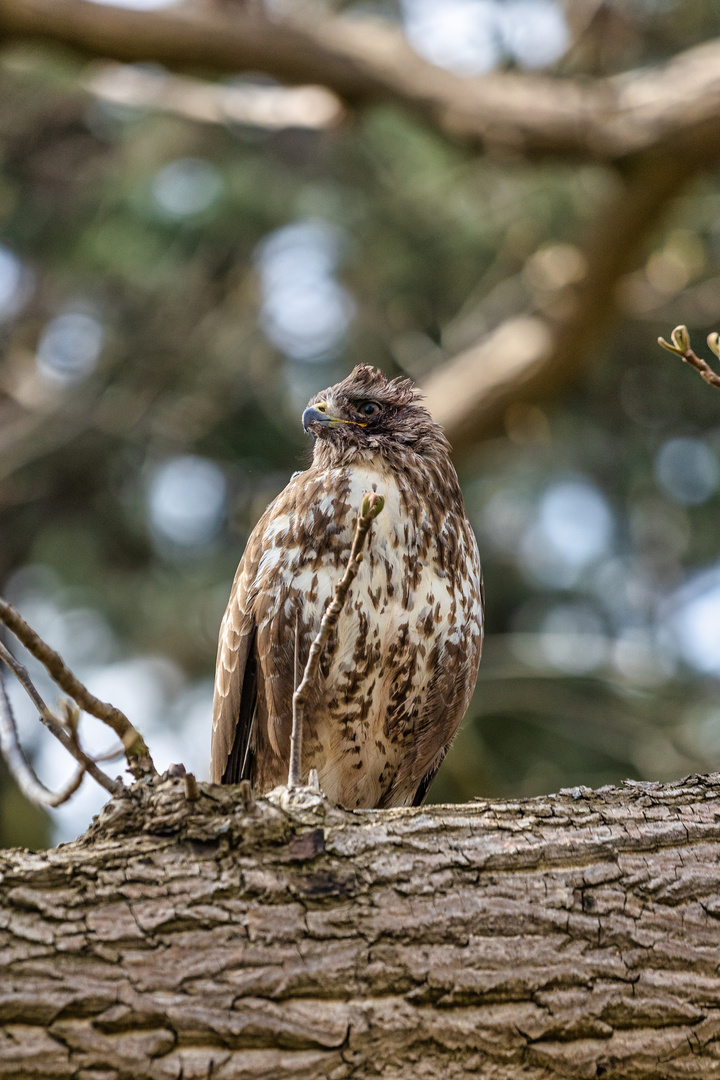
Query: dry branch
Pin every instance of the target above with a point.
(371, 506)
(574, 935)
(138, 757)
(20, 767)
(65, 736)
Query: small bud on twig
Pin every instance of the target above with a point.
(680, 339)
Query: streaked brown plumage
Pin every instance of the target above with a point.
(398, 672)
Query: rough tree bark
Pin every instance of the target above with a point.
(574, 935)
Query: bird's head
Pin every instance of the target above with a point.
(367, 415)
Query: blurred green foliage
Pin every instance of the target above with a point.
(435, 246)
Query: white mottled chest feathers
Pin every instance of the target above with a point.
(413, 612)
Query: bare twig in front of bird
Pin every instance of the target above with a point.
(136, 752)
(66, 734)
(372, 504)
(680, 345)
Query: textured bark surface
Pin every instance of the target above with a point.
(575, 935)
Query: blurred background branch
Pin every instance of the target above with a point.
(366, 61)
(211, 210)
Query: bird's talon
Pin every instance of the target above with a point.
(246, 796)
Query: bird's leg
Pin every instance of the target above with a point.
(372, 504)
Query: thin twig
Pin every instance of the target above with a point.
(138, 756)
(19, 766)
(680, 339)
(112, 754)
(371, 506)
(65, 738)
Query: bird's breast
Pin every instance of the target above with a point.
(405, 614)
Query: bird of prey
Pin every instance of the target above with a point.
(399, 668)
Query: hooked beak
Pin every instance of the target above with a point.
(318, 414)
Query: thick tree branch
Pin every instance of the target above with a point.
(366, 62)
(666, 119)
(574, 935)
(533, 355)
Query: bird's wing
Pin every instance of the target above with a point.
(448, 694)
(235, 697)
(255, 661)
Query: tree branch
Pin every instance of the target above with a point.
(572, 935)
(66, 739)
(138, 756)
(663, 122)
(366, 62)
(271, 107)
(372, 505)
(20, 767)
(535, 354)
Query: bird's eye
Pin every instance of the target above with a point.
(368, 409)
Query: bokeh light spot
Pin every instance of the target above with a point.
(305, 312)
(15, 284)
(695, 623)
(460, 35)
(186, 500)
(70, 347)
(470, 37)
(534, 32)
(186, 187)
(573, 527)
(572, 638)
(687, 470)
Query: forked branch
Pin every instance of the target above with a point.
(66, 734)
(20, 767)
(372, 504)
(138, 756)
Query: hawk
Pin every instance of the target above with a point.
(399, 669)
